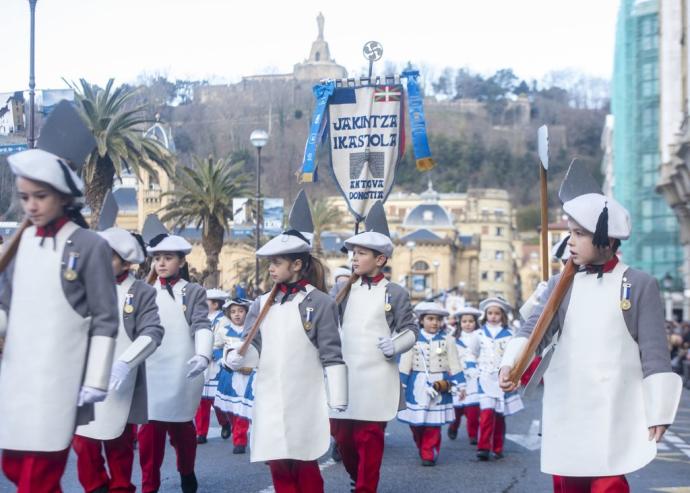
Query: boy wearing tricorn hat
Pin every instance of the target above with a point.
(609, 392)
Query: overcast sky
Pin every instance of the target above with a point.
(225, 39)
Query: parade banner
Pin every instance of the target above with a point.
(366, 130)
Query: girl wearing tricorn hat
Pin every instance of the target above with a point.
(627, 398)
(377, 325)
(293, 339)
(140, 333)
(175, 371)
(53, 262)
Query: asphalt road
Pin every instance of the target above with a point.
(219, 470)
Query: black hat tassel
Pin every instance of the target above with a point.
(601, 233)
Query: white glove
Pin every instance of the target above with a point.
(459, 391)
(118, 374)
(386, 346)
(338, 409)
(89, 395)
(197, 364)
(431, 392)
(234, 360)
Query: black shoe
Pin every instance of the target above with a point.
(225, 432)
(239, 449)
(101, 489)
(483, 455)
(335, 454)
(188, 483)
(452, 434)
(473, 441)
(498, 455)
(201, 439)
(428, 463)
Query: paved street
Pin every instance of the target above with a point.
(457, 469)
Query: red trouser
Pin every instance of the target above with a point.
(202, 420)
(120, 455)
(152, 450)
(605, 484)
(471, 414)
(296, 476)
(240, 426)
(428, 440)
(35, 472)
(492, 430)
(360, 444)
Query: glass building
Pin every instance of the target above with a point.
(654, 245)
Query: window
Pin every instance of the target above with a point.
(485, 214)
(485, 276)
(647, 225)
(485, 230)
(499, 276)
(428, 216)
(646, 254)
(500, 255)
(420, 265)
(500, 214)
(499, 231)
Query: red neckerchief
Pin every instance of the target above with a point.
(602, 269)
(120, 279)
(290, 288)
(51, 229)
(168, 283)
(372, 280)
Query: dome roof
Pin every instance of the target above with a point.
(162, 134)
(428, 216)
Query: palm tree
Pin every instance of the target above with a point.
(326, 217)
(118, 129)
(203, 196)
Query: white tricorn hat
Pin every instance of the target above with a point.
(429, 308)
(298, 238)
(495, 301)
(63, 146)
(125, 244)
(376, 235)
(216, 294)
(468, 310)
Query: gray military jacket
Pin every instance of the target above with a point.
(323, 332)
(143, 321)
(645, 319)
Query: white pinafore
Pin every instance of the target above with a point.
(44, 358)
(594, 413)
(373, 380)
(171, 395)
(112, 413)
(290, 417)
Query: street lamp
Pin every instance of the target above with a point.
(410, 246)
(32, 79)
(258, 138)
(667, 286)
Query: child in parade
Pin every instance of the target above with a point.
(429, 383)
(175, 371)
(294, 340)
(608, 347)
(465, 342)
(214, 299)
(377, 325)
(140, 333)
(52, 373)
(494, 403)
(234, 397)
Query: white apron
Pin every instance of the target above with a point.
(44, 357)
(373, 380)
(290, 418)
(171, 395)
(112, 413)
(594, 413)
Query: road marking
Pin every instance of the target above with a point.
(531, 440)
(677, 442)
(675, 489)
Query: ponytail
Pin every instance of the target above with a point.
(12, 246)
(257, 323)
(312, 269)
(345, 292)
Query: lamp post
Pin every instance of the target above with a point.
(32, 79)
(258, 138)
(667, 285)
(410, 246)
